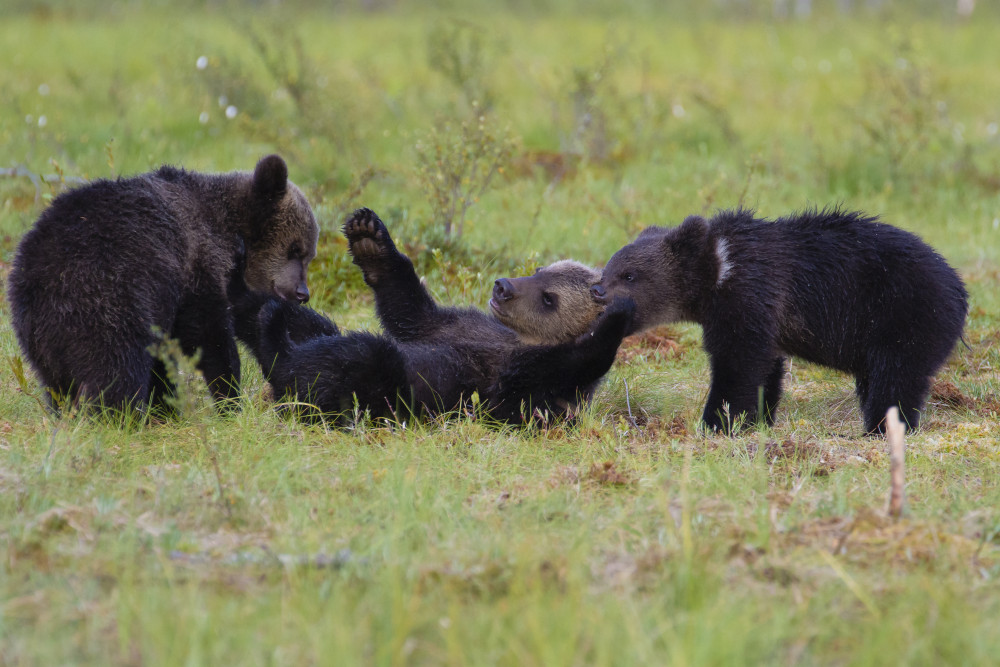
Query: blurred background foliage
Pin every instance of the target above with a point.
(713, 9)
(496, 136)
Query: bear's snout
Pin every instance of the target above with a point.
(598, 293)
(302, 293)
(503, 290)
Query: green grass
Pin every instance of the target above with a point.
(253, 539)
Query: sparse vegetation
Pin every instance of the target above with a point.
(625, 538)
(457, 164)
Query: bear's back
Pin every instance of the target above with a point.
(106, 238)
(842, 283)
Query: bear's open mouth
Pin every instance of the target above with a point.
(495, 307)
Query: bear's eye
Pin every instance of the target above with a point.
(628, 277)
(548, 300)
(295, 251)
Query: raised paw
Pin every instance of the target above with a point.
(618, 313)
(613, 324)
(367, 236)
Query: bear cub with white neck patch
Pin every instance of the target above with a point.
(836, 288)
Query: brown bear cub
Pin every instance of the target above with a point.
(835, 288)
(431, 359)
(552, 306)
(110, 262)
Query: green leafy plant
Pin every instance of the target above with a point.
(456, 163)
(190, 397)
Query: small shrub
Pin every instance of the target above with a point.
(456, 165)
(459, 51)
(287, 99)
(190, 397)
(902, 114)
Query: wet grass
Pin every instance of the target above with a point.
(627, 538)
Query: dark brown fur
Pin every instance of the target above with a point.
(833, 287)
(431, 359)
(109, 262)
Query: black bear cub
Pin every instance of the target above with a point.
(109, 262)
(431, 359)
(835, 288)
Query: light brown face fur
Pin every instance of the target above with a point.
(279, 256)
(552, 306)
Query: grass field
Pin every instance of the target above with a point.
(625, 538)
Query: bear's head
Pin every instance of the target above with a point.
(660, 271)
(282, 235)
(552, 306)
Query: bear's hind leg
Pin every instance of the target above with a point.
(337, 374)
(891, 380)
(772, 390)
(123, 387)
(107, 371)
(104, 368)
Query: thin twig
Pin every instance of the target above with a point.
(894, 434)
(212, 456)
(38, 179)
(628, 403)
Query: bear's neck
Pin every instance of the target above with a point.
(229, 206)
(698, 279)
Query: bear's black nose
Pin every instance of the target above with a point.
(598, 293)
(302, 293)
(503, 290)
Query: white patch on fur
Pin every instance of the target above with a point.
(722, 254)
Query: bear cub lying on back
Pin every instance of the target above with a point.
(432, 359)
(835, 288)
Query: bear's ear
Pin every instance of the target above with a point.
(651, 231)
(690, 238)
(694, 227)
(270, 178)
(694, 221)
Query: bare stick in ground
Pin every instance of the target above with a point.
(894, 436)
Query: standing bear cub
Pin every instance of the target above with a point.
(433, 359)
(109, 263)
(835, 288)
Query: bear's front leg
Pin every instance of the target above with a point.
(403, 305)
(204, 322)
(740, 384)
(551, 378)
(220, 364)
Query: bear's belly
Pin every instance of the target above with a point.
(442, 377)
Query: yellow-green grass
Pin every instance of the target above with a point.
(626, 538)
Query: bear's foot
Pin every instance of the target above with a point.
(370, 244)
(367, 236)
